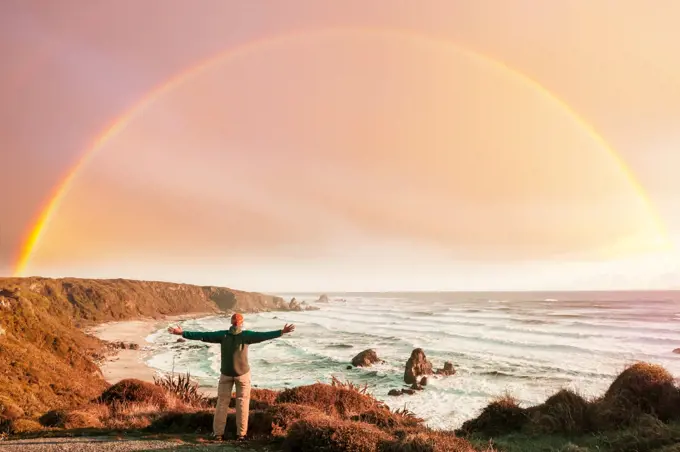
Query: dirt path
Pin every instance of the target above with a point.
(93, 444)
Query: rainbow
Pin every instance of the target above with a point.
(32, 239)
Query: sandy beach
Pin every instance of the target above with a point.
(130, 363)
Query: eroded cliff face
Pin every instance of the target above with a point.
(47, 361)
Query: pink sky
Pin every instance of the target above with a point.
(359, 145)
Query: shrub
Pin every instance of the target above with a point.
(81, 419)
(283, 416)
(385, 419)
(54, 418)
(183, 388)
(648, 434)
(19, 426)
(502, 416)
(428, 441)
(641, 389)
(337, 435)
(181, 422)
(135, 391)
(331, 399)
(9, 410)
(565, 412)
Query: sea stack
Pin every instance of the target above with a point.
(416, 366)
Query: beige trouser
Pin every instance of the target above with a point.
(224, 389)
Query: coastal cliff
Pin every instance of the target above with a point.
(47, 361)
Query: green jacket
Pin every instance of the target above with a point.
(234, 347)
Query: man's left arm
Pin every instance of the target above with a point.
(254, 337)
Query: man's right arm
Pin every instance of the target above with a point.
(213, 337)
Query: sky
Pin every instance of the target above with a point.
(356, 145)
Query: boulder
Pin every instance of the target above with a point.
(294, 305)
(423, 381)
(416, 366)
(394, 392)
(416, 387)
(448, 369)
(408, 391)
(677, 350)
(366, 358)
(181, 339)
(349, 368)
(323, 299)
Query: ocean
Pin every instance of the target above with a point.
(528, 345)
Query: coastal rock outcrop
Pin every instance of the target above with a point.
(448, 370)
(294, 305)
(323, 299)
(366, 358)
(416, 366)
(677, 351)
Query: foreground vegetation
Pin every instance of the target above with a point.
(640, 412)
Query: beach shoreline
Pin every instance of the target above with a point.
(129, 363)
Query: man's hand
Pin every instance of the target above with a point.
(175, 330)
(288, 328)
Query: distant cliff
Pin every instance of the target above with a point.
(46, 360)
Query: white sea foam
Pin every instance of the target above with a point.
(527, 348)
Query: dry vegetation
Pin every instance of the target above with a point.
(319, 417)
(639, 412)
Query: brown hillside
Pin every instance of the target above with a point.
(46, 361)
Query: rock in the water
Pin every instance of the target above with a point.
(294, 305)
(408, 391)
(423, 381)
(323, 299)
(677, 350)
(416, 366)
(394, 392)
(366, 358)
(448, 369)
(350, 367)
(416, 387)
(181, 339)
